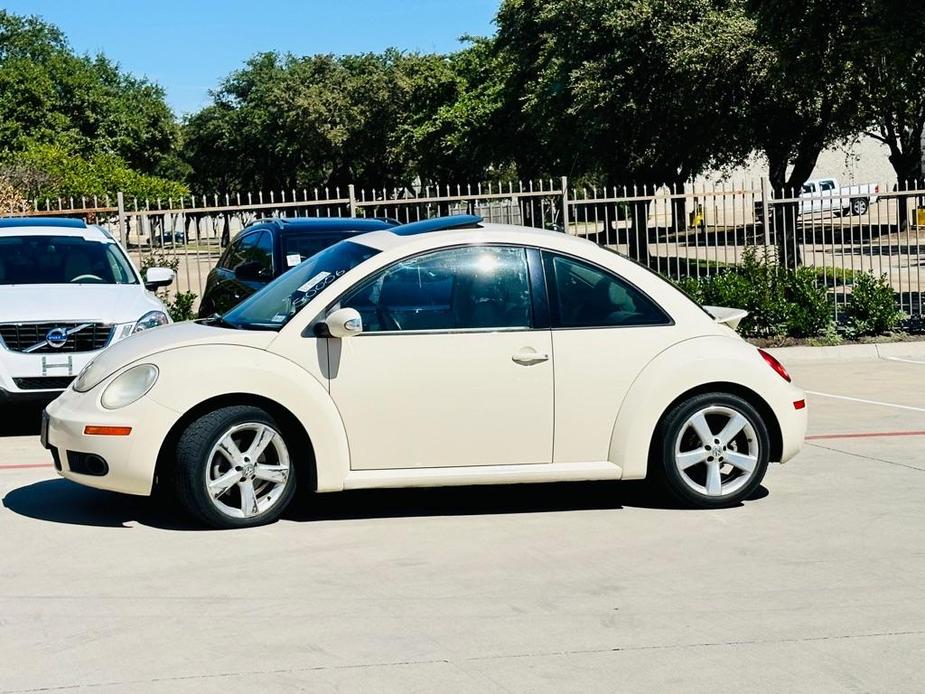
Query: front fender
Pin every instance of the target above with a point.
(692, 364)
(192, 375)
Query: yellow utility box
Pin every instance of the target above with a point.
(920, 216)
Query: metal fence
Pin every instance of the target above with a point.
(686, 231)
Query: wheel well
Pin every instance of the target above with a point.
(297, 439)
(755, 400)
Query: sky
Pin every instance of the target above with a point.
(189, 46)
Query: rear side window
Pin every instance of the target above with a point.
(585, 296)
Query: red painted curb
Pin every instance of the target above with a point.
(865, 435)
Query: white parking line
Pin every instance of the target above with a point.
(907, 361)
(867, 402)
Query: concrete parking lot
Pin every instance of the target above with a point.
(815, 585)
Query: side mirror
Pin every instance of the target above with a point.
(157, 277)
(344, 322)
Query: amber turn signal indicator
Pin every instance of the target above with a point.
(107, 431)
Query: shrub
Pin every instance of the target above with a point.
(756, 286)
(810, 313)
(180, 307)
(871, 306)
(691, 286)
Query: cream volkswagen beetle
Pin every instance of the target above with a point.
(474, 354)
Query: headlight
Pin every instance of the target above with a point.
(129, 386)
(151, 319)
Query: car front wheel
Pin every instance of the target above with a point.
(712, 450)
(234, 469)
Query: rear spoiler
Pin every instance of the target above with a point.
(726, 316)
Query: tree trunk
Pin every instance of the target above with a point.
(785, 219)
(638, 233)
(908, 168)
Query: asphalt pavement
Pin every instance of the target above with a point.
(815, 585)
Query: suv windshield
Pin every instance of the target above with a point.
(275, 305)
(62, 260)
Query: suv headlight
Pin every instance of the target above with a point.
(151, 319)
(129, 386)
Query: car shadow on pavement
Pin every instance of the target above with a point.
(61, 501)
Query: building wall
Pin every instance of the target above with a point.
(866, 161)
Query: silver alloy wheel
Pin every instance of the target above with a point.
(247, 470)
(717, 451)
(859, 206)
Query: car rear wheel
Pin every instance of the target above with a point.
(712, 450)
(234, 468)
(859, 206)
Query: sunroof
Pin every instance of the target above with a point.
(63, 222)
(455, 221)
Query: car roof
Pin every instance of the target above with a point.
(485, 232)
(52, 226)
(343, 224)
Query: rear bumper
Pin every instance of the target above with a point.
(792, 421)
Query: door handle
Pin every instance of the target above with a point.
(530, 357)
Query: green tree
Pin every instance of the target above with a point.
(53, 170)
(890, 55)
(805, 94)
(646, 92)
(284, 122)
(51, 95)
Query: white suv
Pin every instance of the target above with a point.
(67, 291)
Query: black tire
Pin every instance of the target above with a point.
(193, 449)
(663, 465)
(859, 206)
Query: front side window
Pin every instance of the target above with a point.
(584, 296)
(826, 185)
(256, 252)
(469, 288)
(62, 260)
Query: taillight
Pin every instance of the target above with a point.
(776, 365)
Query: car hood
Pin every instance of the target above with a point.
(104, 303)
(167, 337)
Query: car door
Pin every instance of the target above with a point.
(826, 194)
(451, 368)
(809, 199)
(604, 332)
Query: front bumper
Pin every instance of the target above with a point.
(38, 376)
(130, 460)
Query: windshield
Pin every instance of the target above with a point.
(62, 260)
(275, 305)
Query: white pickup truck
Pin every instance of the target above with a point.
(825, 196)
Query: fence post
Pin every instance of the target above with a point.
(351, 194)
(120, 201)
(565, 204)
(764, 213)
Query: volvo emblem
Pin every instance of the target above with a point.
(56, 338)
